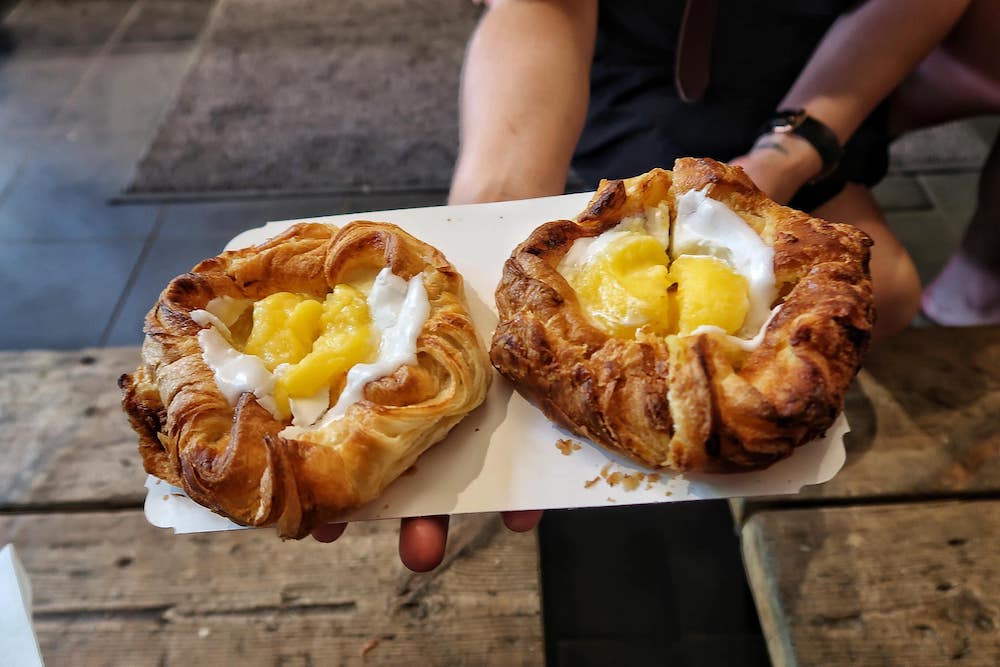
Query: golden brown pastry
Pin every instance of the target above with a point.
(646, 379)
(298, 303)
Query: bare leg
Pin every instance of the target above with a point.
(967, 291)
(961, 78)
(894, 276)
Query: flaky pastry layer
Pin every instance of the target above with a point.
(232, 459)
(693, 402)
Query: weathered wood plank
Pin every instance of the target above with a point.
(925, 421)
(925, 414)
(910, 584)
(110, 589)
(63, 437)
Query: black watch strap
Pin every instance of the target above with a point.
(822, 138)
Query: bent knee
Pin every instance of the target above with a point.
(897, 291)
(895, 281)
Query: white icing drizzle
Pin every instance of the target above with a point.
(746, 344)
(705, 226)
(656, 223)
(236, 373)
(228, 308)
(399, 309)
(207, 319)
(305, 411)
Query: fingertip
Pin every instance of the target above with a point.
(522, 521)
(422, 541)
(329, 532)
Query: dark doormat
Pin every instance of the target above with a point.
(314, 96)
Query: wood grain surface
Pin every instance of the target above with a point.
(109, 589)
(925, 422)
(908, 584)
(63, 437)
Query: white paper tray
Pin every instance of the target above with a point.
(504, 455)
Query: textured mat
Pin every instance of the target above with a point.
(313, 95)
(950, 147)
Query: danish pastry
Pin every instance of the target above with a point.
(687, 321)
(286, 382)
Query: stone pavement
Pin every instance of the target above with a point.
(81, 95)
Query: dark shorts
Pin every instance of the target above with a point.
(636, 121)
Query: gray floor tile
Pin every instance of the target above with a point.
(987, 127)
(68, 27)
(10, 161)
(32, 89)
(928, 237)
(165, 21)
(187, 234)
(227, 219)
(61, 295)
(166, 259)
(897, 192)
(126, 94)
(63, 188)
(954, 196)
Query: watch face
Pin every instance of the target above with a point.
(788, 121)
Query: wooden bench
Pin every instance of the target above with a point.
(111, 589)
(894, 561)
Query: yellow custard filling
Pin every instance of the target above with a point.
(311, 345)
(625, 286)
(630, 283)
(709, 293)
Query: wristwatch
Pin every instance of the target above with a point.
(821, 137)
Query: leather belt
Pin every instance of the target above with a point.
(693, 57)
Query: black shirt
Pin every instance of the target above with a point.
(636, 120)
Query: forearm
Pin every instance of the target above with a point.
(524, 98)
(866, 54)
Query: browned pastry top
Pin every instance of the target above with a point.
(232, 458)
(693, 402)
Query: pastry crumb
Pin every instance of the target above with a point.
(633, 480)
(567, 446)
(630, 481)
(611, 500)
(369, 646)
(669, 493)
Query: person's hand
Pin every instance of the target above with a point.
(422, 539)
(780, 164)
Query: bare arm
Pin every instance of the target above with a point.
(524, 99)
(525, 89)
(865, 55)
